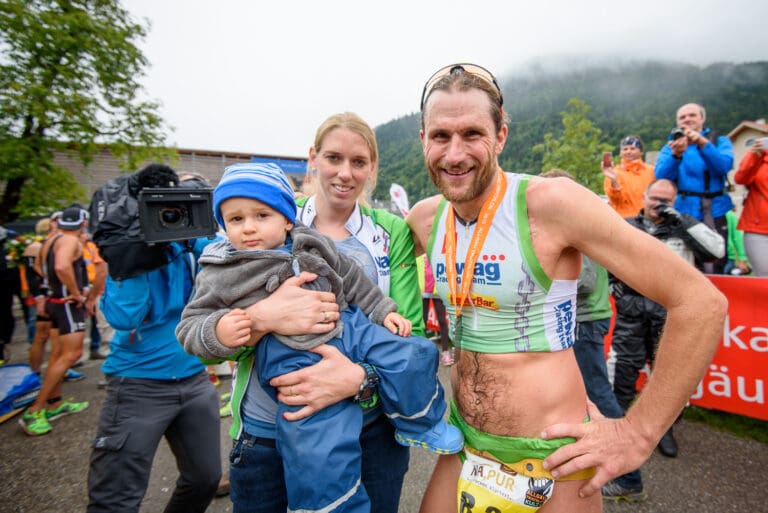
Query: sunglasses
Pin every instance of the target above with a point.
(463, 67)
(632, 141)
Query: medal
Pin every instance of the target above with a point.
(460, 297)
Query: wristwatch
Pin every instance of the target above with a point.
(367, 396)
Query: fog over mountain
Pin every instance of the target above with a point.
(638, 97)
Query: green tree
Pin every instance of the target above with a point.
(69, 81)
(579, 149)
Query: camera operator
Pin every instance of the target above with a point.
(638, 319)
(698, 162)
(155, 389)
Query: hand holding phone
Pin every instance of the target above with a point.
(607, 159)
(759, 144)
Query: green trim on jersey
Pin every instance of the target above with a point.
(440, 207)
(520, 308)
(526, 243)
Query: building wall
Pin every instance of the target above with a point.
(105, 167)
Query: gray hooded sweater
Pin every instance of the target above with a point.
(231, 279)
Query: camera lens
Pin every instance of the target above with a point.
(171, 216)
(676, 133)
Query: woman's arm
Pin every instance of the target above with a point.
(292, 310)
(334, 378)
(748, 167)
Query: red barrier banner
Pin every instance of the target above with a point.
(432, 323)
(735, 380)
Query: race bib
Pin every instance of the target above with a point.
(488, 486)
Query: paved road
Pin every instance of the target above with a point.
(715, 472)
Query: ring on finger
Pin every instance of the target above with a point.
(325, 316)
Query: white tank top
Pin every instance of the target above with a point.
(515, 306)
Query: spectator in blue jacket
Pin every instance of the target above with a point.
(698, 163)
(155, 390)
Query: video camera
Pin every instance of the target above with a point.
(176, 213)
(131, 216)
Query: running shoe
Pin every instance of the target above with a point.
(226, 410)
(214, 379)
(446, 358)
(65, 408)
(71, 375)
(613, 491)
(35, 423)
(441, 439)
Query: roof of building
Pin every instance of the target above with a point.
(758, 125)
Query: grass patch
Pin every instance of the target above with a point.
(737, 425)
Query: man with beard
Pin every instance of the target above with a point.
(506, 253)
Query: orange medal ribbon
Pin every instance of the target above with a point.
(487, 212)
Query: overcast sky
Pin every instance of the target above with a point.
(258, 76)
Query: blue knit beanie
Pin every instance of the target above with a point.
(263, 182)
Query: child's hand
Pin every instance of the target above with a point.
(397, 324)
(234, 328)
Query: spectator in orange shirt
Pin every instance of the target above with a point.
(625, 184)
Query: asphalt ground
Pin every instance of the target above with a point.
(714, 473)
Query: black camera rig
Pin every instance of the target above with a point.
(173, 214)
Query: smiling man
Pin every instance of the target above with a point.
(698, 161)
(518, 396)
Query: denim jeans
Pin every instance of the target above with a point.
(258, 484)
(589, 350)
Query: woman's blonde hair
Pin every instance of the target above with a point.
(356, 124)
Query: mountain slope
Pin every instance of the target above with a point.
(637, 98)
